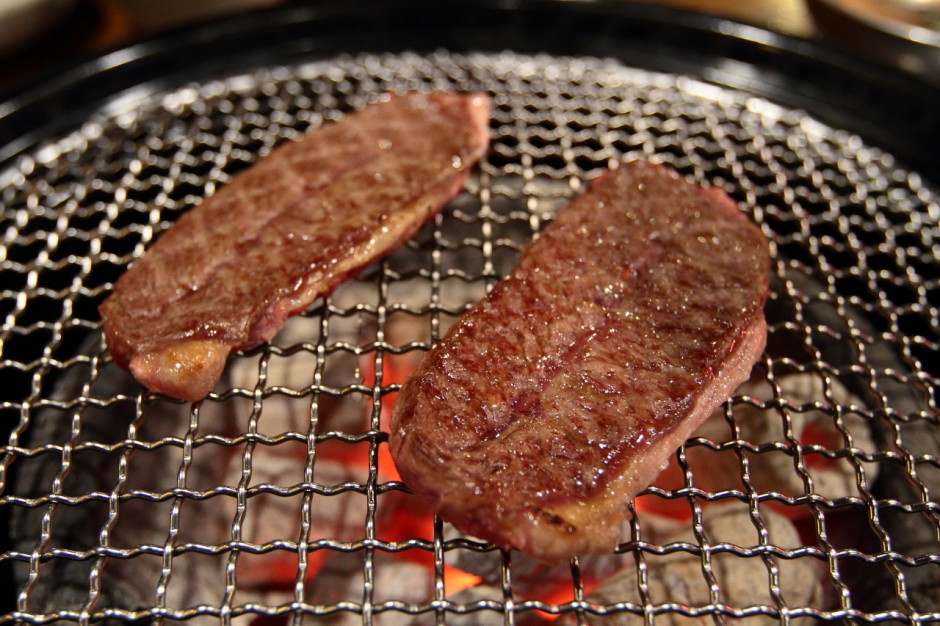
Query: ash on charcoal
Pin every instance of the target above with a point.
(681, 577)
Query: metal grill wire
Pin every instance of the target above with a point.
(126, 505)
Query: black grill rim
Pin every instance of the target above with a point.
(890, 109)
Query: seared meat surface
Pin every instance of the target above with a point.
(563, 393)
(287, 230)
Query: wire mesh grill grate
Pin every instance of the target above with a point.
(811, 495)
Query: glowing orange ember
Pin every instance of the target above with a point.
(674, 508)
(557, 596)
(814, 434)
(455, 579)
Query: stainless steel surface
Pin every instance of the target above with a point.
(129, 506)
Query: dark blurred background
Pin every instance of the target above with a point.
(39, 36)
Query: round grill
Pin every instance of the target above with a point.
(274, 500)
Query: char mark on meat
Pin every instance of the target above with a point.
(563, 393)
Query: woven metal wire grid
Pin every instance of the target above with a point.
(811, 495)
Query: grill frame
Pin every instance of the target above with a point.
(889, 108)
(373, 437)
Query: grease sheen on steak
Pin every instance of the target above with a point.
(562, 394)
(287, 230)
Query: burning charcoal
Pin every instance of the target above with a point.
(905, 425)
(272, 517)
(909, 430)
(532, 579)
(341, 579)
(295, 371)
(125, 583)
(678, 577)
(472, 595)
(831, 478)
(811, 420)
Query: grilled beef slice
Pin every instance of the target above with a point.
(287, 230)
(563, 393)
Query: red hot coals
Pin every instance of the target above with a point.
(563, 393)
(287, 230)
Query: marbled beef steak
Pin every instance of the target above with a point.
(287, 230)
(562, 394)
